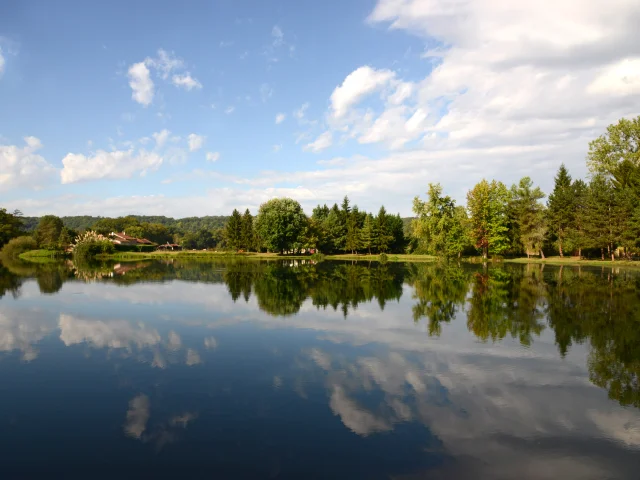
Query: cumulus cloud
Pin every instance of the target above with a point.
(161, 137)
(22, 167)
(116, 164)
(280, 118)
(167, 66)
(359, 83)
(141, 84)
(213, 156)
(186, 81)
(195, 142)
(322, 142)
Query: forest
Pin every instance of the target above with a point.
(596, 218)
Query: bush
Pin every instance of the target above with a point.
(384, 258)
(90, 244)
(318, 257)
(19, 245)
(91, 249)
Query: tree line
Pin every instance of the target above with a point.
(599, 217)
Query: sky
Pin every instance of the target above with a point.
(196, 108)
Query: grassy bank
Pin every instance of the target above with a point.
(576, 262)
(41, 256)
(124, 256)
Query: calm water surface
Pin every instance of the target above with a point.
(336, 370)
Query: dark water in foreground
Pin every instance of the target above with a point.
(337, 371)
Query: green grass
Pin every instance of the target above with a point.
(576, 262)
(41, 253)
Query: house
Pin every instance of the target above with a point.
(121, 238)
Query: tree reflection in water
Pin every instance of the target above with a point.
(598, 306)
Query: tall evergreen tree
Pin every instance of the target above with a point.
(561, 209)
(600, 223)
(233, 230)
(352, 240)
(247, 239)
(530, 215)
(383, 237)
(576, 234)
(367, 238)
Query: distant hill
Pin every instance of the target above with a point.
(188, 224)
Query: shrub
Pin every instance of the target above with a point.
(90, 244)
(19, 245)
(384, 258)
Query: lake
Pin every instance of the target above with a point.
(289, 370)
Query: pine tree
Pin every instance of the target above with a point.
(529, 215)
(599, 225)
(367, 233)
(576, 236)
(561, 208)
(352, 242)
(233, 230)
(383, 236)
(247, 240)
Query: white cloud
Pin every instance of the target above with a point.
(230, 109)
(141, 84)
(186, 81)
(137, 416)
(165, 63)
(359, 83)
(2, 62)
(108, 165)
(106, 334)
(621, 78)
(280, 118)
(213, 156)
(195, 142)
(22, 167)
(211, 343)
(161, 137)
(322, 142)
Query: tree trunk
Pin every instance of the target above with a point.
(560, 249)
(459, 255)
(542, 254)
(602, 253)
(580, 253)
(613, 257)
(485, 252)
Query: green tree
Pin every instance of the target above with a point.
(620, 144)
(352, 237)
(529, 215)
(234, 230)
(561, 209)
(600, 219)
(65, 239)
(382, 235)
(280, 223)
(440, 226)
(487, 205)
(367, 233)
(48, 231)
(247, 240)
(576, 234)
(10, 225)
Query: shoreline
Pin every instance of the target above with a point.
(43, 256)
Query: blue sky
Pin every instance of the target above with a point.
(196, 108)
